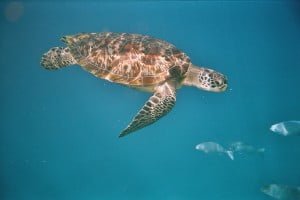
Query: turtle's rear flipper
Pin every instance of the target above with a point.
(57, 57)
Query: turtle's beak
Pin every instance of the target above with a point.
(224, 85)
(223, 88)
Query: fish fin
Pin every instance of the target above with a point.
(230, 154)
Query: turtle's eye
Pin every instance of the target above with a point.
(220, 80)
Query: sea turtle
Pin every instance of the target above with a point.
(137, 61)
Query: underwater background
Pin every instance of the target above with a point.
(59, 129)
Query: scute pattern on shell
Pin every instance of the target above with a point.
(129, 59)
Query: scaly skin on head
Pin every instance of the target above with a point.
(205, 79)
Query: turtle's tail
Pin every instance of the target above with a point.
(57, 57)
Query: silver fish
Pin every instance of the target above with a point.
(212, 147)
(286, 128)
(283, 192)
(240, 147)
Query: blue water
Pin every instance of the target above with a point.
(59, 129)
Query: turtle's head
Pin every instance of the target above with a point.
(206, 79)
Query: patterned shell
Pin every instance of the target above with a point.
(129, 59)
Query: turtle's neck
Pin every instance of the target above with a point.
(192, 76)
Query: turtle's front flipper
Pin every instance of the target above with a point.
(156, 107)
(57, 57)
